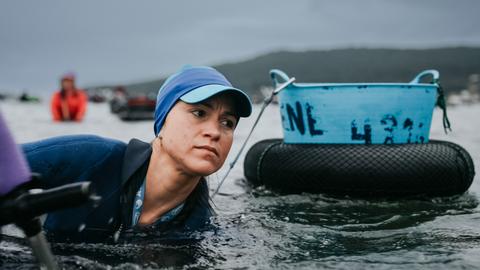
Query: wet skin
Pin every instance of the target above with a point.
(194, 142)
(198, 137)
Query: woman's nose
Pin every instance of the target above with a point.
(212, 129)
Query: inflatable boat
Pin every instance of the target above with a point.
(360, 139)
(438, 168)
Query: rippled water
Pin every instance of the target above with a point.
(256, 228)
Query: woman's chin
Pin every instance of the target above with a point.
(203, 168)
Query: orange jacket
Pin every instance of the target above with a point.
(69, 108)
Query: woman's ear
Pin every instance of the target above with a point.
(160, 138)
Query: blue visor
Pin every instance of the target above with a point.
(243, 105)
(194, 84)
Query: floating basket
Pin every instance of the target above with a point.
(357, 113)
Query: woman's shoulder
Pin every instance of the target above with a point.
(76, 143)
(73, 158)
(81, 150)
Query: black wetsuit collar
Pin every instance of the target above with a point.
(136, 154)
(134, 169)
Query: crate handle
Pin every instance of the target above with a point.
(275, 74)
(435, 74)
(440, 95)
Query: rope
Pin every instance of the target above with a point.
(442, 104)
(267, 101)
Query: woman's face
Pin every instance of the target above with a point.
(68, 85)
(198, 136)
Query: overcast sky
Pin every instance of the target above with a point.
(113, 41)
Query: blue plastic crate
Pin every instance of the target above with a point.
(357, 113)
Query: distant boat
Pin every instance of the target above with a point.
(133, 106)
(24, 97)
(99, 95)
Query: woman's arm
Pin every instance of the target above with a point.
(67, 159)
(55, 107)
(82, 105)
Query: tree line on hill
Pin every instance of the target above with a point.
(348, 65)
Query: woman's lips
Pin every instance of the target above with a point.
(209, 148)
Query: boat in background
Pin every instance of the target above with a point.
(132, 106)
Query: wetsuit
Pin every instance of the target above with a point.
(116, 170)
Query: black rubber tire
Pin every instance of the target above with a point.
(438, 168)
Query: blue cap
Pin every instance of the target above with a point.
(194, 84)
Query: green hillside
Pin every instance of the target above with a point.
(349, 65)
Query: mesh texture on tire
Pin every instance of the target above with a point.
(438, 168)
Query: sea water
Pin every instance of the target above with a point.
(258, 229)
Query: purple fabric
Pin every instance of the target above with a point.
(14, 170)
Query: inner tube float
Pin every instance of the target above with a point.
(438, 168)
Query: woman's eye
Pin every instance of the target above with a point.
(199, 113)
(228, 123)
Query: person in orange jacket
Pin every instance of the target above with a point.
(69, 103)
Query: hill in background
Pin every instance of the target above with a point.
(348, 65)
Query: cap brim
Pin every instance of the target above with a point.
(242, 101)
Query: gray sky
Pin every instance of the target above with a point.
(113, 41)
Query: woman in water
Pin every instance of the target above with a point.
(69, 103)
(147, 186)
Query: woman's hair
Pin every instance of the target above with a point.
(199, 197)
(63, 93)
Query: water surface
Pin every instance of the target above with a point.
(259, 229)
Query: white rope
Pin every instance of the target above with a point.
(267, 101)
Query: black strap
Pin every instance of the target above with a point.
(443, 105)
